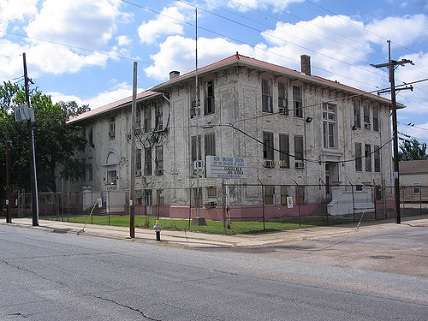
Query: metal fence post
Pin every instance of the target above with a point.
(190, 207)
(263, 204)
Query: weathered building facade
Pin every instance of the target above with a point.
(290, 127)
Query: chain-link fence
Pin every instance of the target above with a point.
(228, 208)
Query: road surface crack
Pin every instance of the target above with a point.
(142, 313)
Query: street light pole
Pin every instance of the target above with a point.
(132, 167)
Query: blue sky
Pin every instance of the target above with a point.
(83, 49)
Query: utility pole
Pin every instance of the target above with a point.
(32, 124)
(391, 65)
(133, 125)
(8, 218)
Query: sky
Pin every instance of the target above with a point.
(83, 50)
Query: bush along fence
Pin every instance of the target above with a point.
(228, 208)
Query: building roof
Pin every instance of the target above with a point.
(118, 104)
(242, 60)
(414, 167)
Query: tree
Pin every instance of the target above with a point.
(58, 144)
(412, 150)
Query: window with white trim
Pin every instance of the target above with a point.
(329, 116)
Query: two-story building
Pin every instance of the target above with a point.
(290, 127)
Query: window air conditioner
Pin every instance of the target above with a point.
(284, 164)
(269, 164)
(299, 164)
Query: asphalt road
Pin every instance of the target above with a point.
(48, 276)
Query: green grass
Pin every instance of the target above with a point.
(214, 227)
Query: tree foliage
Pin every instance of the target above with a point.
(58, 144)
(412, 150)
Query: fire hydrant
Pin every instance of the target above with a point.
(157, 228)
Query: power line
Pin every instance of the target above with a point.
(276, 37)
(272, 51)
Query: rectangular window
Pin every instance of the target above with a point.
(138, 162)
(298, 148)
(159, 160)
(196, 148)
(282, 99)
(376, 158)
(158, 117)
(148, 119)
(148, 161)
(112, 128)
(267, 105)
(268, 146)
(367, 124)
(329, 116)
(375, 118)
(284, 195)
(209, 140)
(212, 192)
(300, 195)
(298, 101)
(148, 197)
(357, 114)
(111, 177)
(160, 199)
(268, 196)
(284, 151)
(368, 157)
(194, 109)
(209, 100)
(358, 157)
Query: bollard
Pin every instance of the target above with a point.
(157, 229)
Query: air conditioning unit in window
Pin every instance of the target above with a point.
(198, 168)
(268, 164)
(283, 106)
(138, 172)
(367, 125)
(284, 164)
(299, 164)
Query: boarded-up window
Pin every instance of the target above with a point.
(267, 105)
(269, 192)
(158, 117)
(209, 100)
(268, 152)
(376, 158)
(298, 148)
(284, 151)
(297, 101)
(358, 157)
(367, 124)
(209, 141)
(212, 192)
(282, 99)
(148, 119)
(357, 114)
(375, 118)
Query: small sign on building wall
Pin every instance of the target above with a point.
(225, 167)
(290, 203)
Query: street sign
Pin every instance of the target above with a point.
(225, 167)
(24, 113)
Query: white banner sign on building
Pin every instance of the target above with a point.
(225, 167)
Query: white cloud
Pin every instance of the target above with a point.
(402, 31)
(123, 40)
(169, 21)
(119, 91)
(15, 10)
(84, 23)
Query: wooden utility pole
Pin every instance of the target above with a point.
(391, 64)
(31, 122)
(132, 156)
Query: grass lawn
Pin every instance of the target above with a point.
(215, 227)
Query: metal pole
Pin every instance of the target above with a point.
(35, 192)
(132, 156)
(391, 67)
(263, 203)
(8, 218)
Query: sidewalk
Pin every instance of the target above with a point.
(192, 239)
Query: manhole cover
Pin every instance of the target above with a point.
(381, 257)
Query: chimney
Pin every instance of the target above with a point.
(305, 64)
(174, 74)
